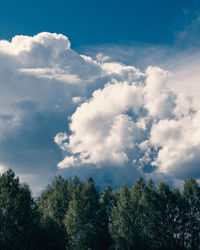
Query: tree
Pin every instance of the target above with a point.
(191, 193)
(82, 219)
(122, 224)
(54, 201)
(52, 207)
(180, 219)
(148, 205)
(136, 195)
(137, 191)
(167, 215)
(16, 212)
(108, 199)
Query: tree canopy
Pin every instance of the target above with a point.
(75, 214)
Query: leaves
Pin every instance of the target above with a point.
(71, 214)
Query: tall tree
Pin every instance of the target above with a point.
(149, 220)
(54, 200)
(82, 219)
(180, 220)
(191, 193)
(108, 200)
(16, 211)
(52, 207)
(122, 224)
(167, 215)
(136, 195)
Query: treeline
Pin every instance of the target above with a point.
(71, 214)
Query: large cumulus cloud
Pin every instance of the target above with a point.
(62, 112)
(179, 142)
(101, 132)
(39, 76)
(136, 123)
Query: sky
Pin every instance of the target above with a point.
(99, 22)
(107, 89)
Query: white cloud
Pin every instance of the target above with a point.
(185, 77)
(55, 73)
(101, 129)
(121, 72)
(78, 99)
(100, 57)
(60, 139)
(147, 121)
(35, 99)
(160, 100)
(180, 145)
(115, 115)
(21, 44)
(2, 169)
(69, 161)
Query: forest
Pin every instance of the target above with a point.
(77, 215)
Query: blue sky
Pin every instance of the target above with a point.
(99, 22)
(105, 89)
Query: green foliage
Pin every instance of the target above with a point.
(167, 214)
(53, 202)
(82, 219)
(52, 206)
(122, 224)
(148, 205)
(71, 214)
(191, 193)
(108, 199)
(15, 213)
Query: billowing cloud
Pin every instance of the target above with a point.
(101, 129)
(142, 122)
(62, 112)
(39, 76)
(22, 44)
(179, 142)
(160, 100)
